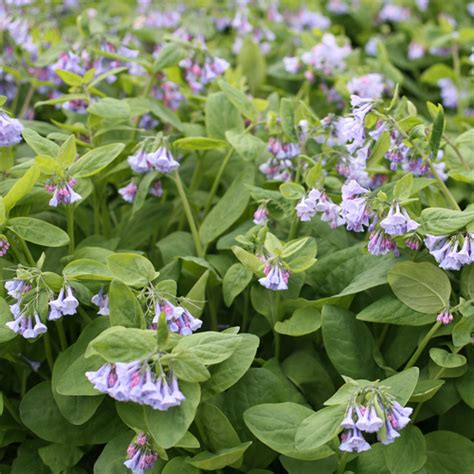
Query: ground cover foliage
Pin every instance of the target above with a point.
(236, 237)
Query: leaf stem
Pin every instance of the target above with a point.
(26, 250)
(342, 463)
(189, 216)
(421, 346)
(48, 351)
(456, 151)
(217, 181)
(84, 315)
(444, 189)
(275, 318)
(70, 227)
(62, 335)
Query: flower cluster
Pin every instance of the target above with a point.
(64, 305)
(137, 382)
(318, 201)
(372, 410)
(451, 252)
(445, 317)
(276, 277)
(280, 165)
(62, 191)
(198, 75)
(140, 454)
(160, 160)
(23, 321)
(369, 86)
(4, 245)
(10, 130)
(179, 319)
(260, 216)
(326, 57)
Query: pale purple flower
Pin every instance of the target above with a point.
(348, 422)
(369, 86)
(330, 212)
(400, 415)
(10, 130)
(445, 317)
(415, 50)
(390, 436)
(141, 455)
(179, 319)
(292, 64)
(63, 193)
(449, 93)
(453, 252)
(129, 192)
(140, 162)
(470, 8)
(276, 278)
(156, 189)
(394, 13)
(380, 244)
(65, 304)
(353, 441)
(371, 47)
(398, 222)
(307, 20)
(101, 300)
(260, 216)
(162, 160)
(370, 422)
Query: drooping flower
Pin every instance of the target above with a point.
(276, 278)
(64, 305)
(354, 206)
(141, 455)
(398, 222)
(445, 317)
(137, 382)
(449, 93)
(381, 244)
(353, 440)
(179, 319)
(451, 252)
(260, 216)
(4, 246)
(101, 300)
(129, 192)
(368, 86)
(10, 130)
(63, 192)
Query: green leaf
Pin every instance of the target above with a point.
(110, 108)
(436, 72)
(304, 258)
(21, 188)
(124, 307)
(403, 384)
(421, 286)
(287, 119)
(276, 425)
(59, 457)
(87, 269)
(239, 100)
(467, 282)
(217, 430)
(249, 147)
(304, 321)
(168, 427)
(131, 268)
(235, 281)
(229, 372)
(292, 191)
(253, 65)
(38, 232)
(319, 428)
(69, 77)
(390, 310)
(169, 55)
(403, 187)
(425, 389)
(408, 454)
(440, 221)
(249, 260)
(119, 344)
(179, 465)
(382, 145)
(221, 115)
(199, 143)
(448, 453)
(67, 152)
(105, 75)
(223, 457)
(465, 386)
(94, 161)
(342, 335)
(208, 347)
(437, 132)
(446, 359)
(40, 145)
(229, 208)
(188, 368)
(196, 298)
(40, 414)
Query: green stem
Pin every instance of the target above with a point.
(189, 216)
(421, 346)
(97, 219)
(84, 315)
(26, 250)
(456, 151)
(212, 312)
(27, 101)
(196, 178)
(18, 254)
(245, 317)
(444, 189)
(70, 227)
(383, 335)
(48, 351)
(275, 318)
(295, 223)
(62, 335)
(217, 181)
(342, 463)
